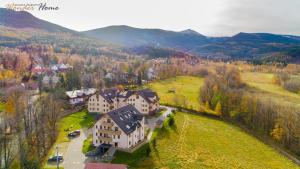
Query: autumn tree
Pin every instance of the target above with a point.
(218, 109)
(277, 133)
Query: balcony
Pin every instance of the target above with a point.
(110, 132)
(105, 123)
(105, 139)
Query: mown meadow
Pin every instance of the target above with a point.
(200, 142)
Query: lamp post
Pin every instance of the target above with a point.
(57, 160)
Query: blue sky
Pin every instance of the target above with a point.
(209, 17)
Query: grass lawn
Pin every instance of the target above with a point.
(183, 86)
(88, 145)
(201, 142)
(75, 121)
(262, 84)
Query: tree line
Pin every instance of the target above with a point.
(225, 92)
(28, 129)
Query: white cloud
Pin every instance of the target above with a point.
(210, 17)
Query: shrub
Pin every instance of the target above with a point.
(292, 85)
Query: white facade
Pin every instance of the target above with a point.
(54, 79)
(107, 131)
(78, 96)
(98, 104)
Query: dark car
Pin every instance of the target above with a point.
(74, 133)
(55, 158)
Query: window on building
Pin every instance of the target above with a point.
(118, 136)
(108, 121)
(116, 129)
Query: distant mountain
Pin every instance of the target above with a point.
(150, 42)
(23, 19)
(251, 46)
(264, 38)
(191, 32)
(129, 37)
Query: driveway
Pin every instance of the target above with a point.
(74, 158)
(151, 123)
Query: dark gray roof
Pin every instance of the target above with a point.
(147, 94)
(109, 94)
(125, 94)
(127, 118)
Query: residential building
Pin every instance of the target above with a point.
(78, 97)
(122, 128)
(50, 79)
(145, 101)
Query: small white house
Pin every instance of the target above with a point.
(50, 78)
(77, 97)
(122, 128)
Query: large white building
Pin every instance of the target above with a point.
(145, 101)
(123, 128)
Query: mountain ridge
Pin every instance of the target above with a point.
(240, 46)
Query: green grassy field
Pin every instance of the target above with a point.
(183, 86)
(200, 142)
(75, 121)
(262, 84)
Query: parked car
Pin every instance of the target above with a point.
(74, 133)
(55, 158)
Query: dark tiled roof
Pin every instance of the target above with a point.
(125, 94)
(104, 166)
(109, 94)
(148, 94)
(127, 118)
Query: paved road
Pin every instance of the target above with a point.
(151, 123)
(74, 158)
